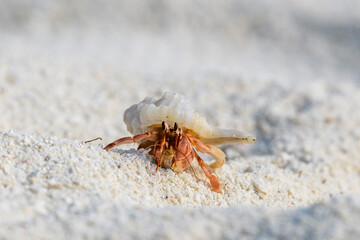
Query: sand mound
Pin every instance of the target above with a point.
(57, 187)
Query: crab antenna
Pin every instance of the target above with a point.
(93, 140)
(175, 126)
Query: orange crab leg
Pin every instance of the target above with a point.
(212, 150)
(159, 149)
(215, 184)
(126, 140)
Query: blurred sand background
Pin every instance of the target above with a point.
(287, 71)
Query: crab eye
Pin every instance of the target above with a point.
(163, 125)
(175, 126)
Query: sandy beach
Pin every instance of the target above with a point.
(285, 71)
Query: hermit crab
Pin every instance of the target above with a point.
(174, 133)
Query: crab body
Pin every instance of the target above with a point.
(173, 147)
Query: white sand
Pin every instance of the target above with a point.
(60, 188)
(68, 71)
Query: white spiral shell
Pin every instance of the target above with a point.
(173, 107)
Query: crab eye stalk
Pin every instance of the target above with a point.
(164, 126)
(175, 126)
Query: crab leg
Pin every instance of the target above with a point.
(159, 149)
(215, 184)
(212, 150)
(126, 140)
